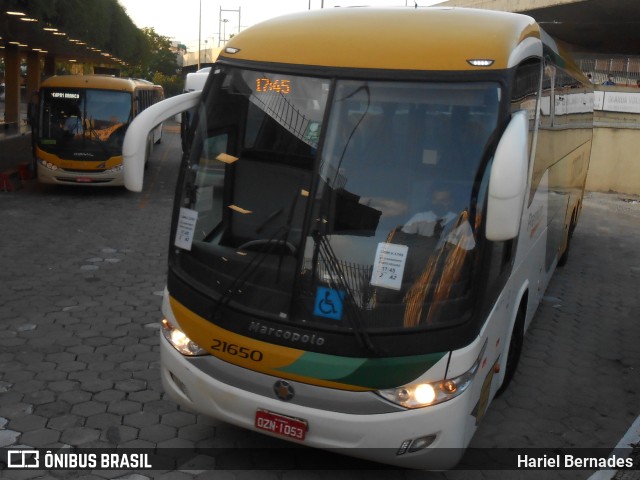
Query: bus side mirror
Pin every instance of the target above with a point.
(508, 180)
(134, 148)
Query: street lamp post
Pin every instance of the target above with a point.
(224, 30)
(199, 33)
(222, 27)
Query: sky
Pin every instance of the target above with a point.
(180, 21)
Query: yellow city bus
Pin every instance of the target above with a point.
(80, 123)
(365, 224)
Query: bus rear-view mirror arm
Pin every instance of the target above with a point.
(508, 181)
(134, 147)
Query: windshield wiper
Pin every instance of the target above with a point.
(365, 89)
(92, 140)
(267, 247)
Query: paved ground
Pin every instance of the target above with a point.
(81, 274)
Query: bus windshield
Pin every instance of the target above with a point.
(84, 124)
(342, 203)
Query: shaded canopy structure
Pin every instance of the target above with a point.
(92, 31)
(610, 27)
(42, 32)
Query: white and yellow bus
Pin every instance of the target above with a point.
(80, 123)
(365, 224)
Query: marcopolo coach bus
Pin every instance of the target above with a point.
(79, 124)
(365, 225)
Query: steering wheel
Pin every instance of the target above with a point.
(253, 244)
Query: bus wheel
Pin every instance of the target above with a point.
(562, 261)
(515, 349)
(148, 153)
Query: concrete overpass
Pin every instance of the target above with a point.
(39, 45)
(605, 38)
(599, 30)
(609, 27)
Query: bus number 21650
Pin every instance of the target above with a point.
(236, 350)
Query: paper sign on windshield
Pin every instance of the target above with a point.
(388, 268)
(186, 227)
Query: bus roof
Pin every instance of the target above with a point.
(433, 38)
(103, 82)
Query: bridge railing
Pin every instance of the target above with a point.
(625, 71)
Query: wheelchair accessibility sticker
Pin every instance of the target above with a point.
(328, 303)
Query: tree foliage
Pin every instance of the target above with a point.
(104, 24)
(161, 66)
(162, 59)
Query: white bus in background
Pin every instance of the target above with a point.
(193, 83)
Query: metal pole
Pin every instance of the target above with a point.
(199, 32)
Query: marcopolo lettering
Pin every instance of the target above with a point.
(289, 335)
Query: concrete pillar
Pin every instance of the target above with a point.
(12, 84)
(49, 65)
(34, 73)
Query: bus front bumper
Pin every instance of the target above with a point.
(109, 178)
(382, 438)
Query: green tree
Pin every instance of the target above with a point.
(163, 60)
(161, 65)
(103, 24)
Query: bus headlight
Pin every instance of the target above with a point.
(180, 341)
(48, 165)
(116, 169)
(418, 395)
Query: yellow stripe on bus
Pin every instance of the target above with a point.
(246, 352)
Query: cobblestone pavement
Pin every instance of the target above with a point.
(81, 275)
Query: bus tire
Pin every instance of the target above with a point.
(562, 261)
(515, 348)
(148, 152)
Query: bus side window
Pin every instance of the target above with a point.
(525, 97)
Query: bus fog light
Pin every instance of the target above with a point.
(420, 443)
(180, 341)
(181, 386)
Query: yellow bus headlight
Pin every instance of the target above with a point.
(116, 169)
(180, 341)
(48, 165)
(423, 394)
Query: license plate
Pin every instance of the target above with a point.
(84, 180)
(281, 424)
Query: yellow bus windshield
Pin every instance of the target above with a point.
(82, 123)
(370, 218)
